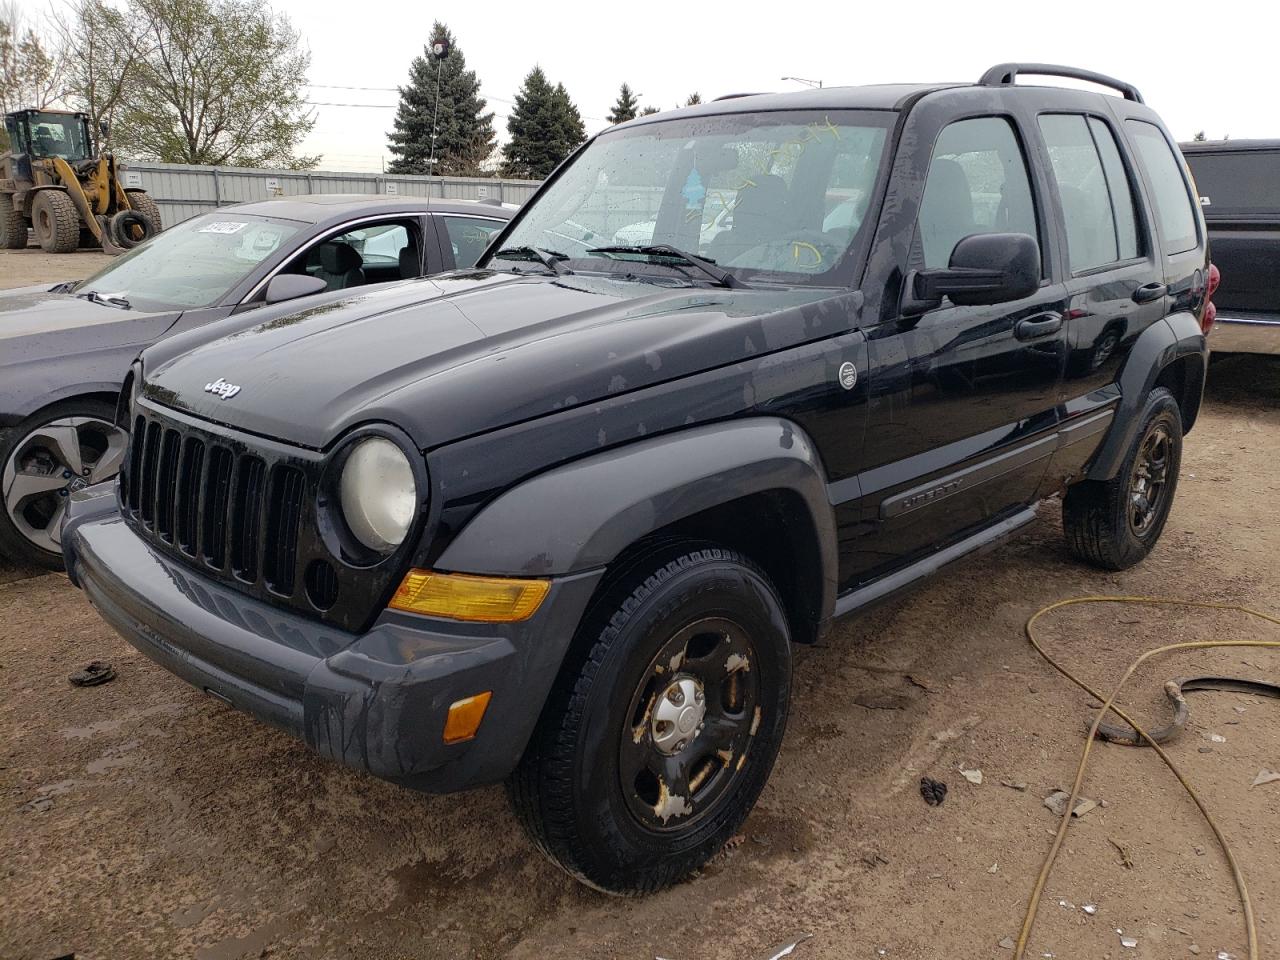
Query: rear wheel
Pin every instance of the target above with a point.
(1114, 523)
(42, 461)
(661, 731)
(13, 226)
(56, 221)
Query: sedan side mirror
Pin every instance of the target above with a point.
(985, 268)
(290, 286)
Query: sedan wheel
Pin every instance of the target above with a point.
(46, 464)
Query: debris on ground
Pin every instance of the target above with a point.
(1014, 785)
(1265, 776)
(933, 791)
(994, 868)
(94, 673)
(1007, 943)
(1125, 860)
(881, 700)
(928, 686)
(973, 776)
(1057, 802)
(1217, 738)
(1090, 908)
(1129, 942)
(786, 949)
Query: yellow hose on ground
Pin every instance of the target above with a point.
(1029, 919)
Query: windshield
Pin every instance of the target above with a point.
(58, 135)
(193, 264)
(770, 196)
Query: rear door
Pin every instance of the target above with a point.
(963, 409)
(463, 238)
(1115, 278)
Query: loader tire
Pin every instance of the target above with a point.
(56, 221)
(13, 226)
(145, 205)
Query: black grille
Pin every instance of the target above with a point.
(216, 503)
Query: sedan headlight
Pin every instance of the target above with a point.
(378, 494)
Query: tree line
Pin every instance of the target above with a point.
(222, 82)
(180, 81)
(452, 133)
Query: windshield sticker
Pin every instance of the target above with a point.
(222, 226)
(693, 191)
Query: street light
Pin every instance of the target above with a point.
(809, 83)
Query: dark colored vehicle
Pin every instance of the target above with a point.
(1239, 187)
(64, 350)
(559, 519)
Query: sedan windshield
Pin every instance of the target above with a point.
(194, 264)
(777, 196)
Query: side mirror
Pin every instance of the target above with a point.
(290, 286)
(985, 268)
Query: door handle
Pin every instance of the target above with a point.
(1150, 291)
(1041, 325)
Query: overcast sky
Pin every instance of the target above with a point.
(1207, 65)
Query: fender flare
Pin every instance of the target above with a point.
(583, 514)
(1176, 336)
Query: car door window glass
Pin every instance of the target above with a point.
(978, 183)
(1169, 191)
(468, 236)
(1098, 214)
(371, 253)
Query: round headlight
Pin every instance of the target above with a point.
(378, 494)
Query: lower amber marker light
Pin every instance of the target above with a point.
(465, 716)
(460, 596)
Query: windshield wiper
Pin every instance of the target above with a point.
(548, 258)
(93, 296)
(704, 265)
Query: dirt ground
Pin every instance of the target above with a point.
(144, 819)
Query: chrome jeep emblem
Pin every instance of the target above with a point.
(222, 389)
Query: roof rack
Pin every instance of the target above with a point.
(1004, 74)
(735, 96)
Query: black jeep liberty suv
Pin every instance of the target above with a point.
(736, 371)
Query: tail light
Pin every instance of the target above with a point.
(1210, 313)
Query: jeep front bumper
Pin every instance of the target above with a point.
(375, 701)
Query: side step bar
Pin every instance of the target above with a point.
(861, 597)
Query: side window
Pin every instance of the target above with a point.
(371, 253)
(468, 237)
(977, 183)
(1097, 206)
(1170, 195)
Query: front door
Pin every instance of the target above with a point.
(963, 408)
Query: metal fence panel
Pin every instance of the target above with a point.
(183, 191)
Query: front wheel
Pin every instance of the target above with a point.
(661, 732)
(1114, 523)
(56, 221)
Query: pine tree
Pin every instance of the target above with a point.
(626, 107)
(694, 99)
(464, 130)
(545, 127)
(649, 111)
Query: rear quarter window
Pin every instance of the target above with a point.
(1169, 192)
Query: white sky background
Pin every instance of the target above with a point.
(1207, 65)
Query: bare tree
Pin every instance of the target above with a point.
(106, 48)
(32, 70)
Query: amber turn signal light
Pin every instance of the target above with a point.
(460, 596)
(465, 716)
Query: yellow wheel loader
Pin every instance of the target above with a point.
(55, 181)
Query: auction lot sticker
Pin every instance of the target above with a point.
(223, 226)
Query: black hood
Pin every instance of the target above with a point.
(466, 353)
(36, 323)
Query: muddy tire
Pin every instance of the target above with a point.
(56, 221)
(663, 724)
(1114, 523)
(146, 206)
(13, 226)
(129, 228)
